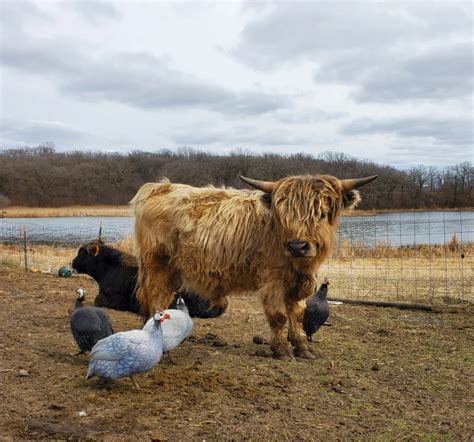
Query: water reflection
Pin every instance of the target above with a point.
(395, 229)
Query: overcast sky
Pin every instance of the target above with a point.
(391, 82)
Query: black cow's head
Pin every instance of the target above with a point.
(88, 257)
(115, 272)
(94, 256)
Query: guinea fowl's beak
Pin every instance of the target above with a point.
(165, 316)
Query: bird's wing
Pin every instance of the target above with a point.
(117, 346)
(176, 325)
(85, 321)
(104, 320)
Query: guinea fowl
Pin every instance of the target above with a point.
(88, 324)
(177, 328)
(317, 310)
(126, 353)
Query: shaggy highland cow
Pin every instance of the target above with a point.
(222, 241)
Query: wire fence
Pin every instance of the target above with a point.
(407, 256)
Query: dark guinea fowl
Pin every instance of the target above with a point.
(88, 324)
(317, 310)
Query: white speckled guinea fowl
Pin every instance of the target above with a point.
(126, 353)
(177, 328)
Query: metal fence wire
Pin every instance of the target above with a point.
(404, 256)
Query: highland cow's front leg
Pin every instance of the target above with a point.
(296, 333)
(156, 285)
(296, 304)
(275, 311)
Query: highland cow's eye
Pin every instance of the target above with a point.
(323, 215)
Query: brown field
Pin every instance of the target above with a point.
(381, 374)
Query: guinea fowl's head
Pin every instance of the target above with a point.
(180, 301)
(181, 305)
(81, 294)
(160, 317)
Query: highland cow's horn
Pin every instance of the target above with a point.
(356, 182)
(265, 186)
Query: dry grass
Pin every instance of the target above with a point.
(453, 249)
(403, 279)
(407, 274)
(424, 273)
(371, 212)
(41, 258)
(50, 212)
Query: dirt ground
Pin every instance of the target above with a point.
(381, 374)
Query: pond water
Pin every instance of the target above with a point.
(394, 228)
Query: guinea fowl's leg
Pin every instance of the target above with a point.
(137, 387)
(168, 353)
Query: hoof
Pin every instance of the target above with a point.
(283, 356)
(305, 354)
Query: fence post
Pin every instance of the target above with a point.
(100, 230)
(25, 248)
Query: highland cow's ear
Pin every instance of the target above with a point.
(266, 200)
(93, 249)
(350, 199)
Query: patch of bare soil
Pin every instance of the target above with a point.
(381, 374)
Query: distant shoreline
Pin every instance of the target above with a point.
(114, 211)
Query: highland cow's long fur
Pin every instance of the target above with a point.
(221, 241)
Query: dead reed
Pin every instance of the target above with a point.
(49, 212)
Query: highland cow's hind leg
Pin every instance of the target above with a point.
(296, 334)
(275, 311)
(156, 285)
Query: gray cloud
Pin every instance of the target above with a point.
(306, 115)
(94, 11)
(410, 154)
(139, 80)
(33, 132)
(147, 82)
(237, 136)
(444, 72)
(15, 16)
(445, 131)
(387, 51)
(197, 135)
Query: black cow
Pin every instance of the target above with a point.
(116, 273)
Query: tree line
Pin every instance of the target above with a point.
(42, 177)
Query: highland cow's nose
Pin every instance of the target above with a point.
(298, 248)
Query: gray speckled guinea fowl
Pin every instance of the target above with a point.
(126, 353)
(88, 324)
